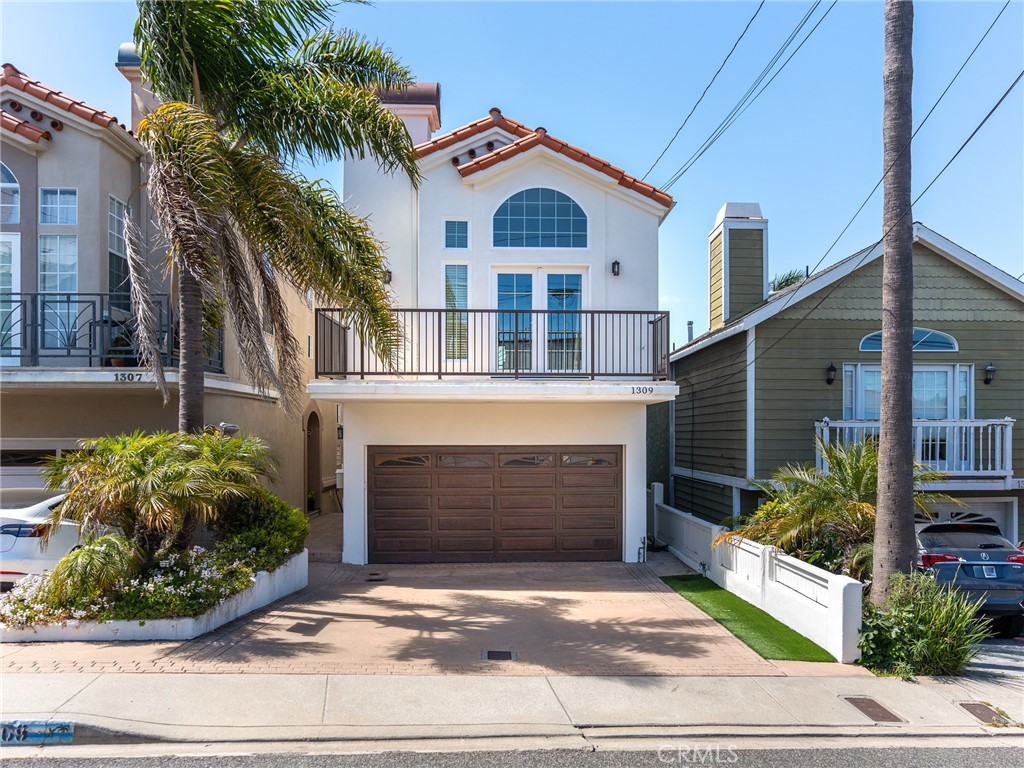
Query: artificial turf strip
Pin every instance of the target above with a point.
(768, 637)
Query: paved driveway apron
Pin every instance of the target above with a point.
(555, 619)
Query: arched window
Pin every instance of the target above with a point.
(10, 196)
(925, 340)
(540, 218)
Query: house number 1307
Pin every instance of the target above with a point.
(643, 390)
(127, 377)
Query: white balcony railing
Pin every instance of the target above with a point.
(959, 448)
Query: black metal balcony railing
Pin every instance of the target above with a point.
(72, 330)
(503, 343)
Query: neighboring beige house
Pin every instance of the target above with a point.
(71, 174)
(512, 425)
(777, 370)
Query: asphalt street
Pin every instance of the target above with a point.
(678, 754)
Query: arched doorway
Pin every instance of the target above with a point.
(314, 482)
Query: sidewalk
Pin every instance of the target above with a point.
(560, 710)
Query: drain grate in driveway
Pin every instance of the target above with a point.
(873, 710)
(376, 577)
(499, 656)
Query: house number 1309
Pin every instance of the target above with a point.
(643, 390)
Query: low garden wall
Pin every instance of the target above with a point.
(821, 606)
(268, 587)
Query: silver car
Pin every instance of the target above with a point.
(24, 524)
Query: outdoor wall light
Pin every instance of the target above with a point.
(387, 277)
(830, 374)
(615, 268)
(341, 431)
(990, 373)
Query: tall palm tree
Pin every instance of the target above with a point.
(894, 523)
(248, 87)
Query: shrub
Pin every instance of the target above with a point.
(262, 531)
(921, 629)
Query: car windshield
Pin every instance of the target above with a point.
(962, 540)
(19, 498)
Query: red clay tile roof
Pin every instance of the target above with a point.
(15, 78)
(494, 120)
(541, 138)
(23, 127)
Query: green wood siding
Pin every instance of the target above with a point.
(711, 428)
(746, 270)
(717, 283)
(709, 501)
(791, 393)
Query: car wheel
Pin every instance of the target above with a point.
(1008, 627)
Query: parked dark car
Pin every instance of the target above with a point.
(955, 542)
(998, 586)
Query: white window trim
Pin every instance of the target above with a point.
(124, 219)
(39, 260)
(59, 190)
(16, 186)
(956, 344)
(954, 369)
(469, 235)
(531, 249)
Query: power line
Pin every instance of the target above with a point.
(866, 251)
(731, 117)
(706, 88)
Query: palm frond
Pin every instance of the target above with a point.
(93, 569)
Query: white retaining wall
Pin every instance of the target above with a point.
(290, 577)
(821, 606)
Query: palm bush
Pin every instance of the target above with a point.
(152, 489)
(827, 517)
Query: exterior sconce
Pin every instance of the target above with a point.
(615, 268)
(341, 431)
(990, 373)
(387, 277)
(830, 374)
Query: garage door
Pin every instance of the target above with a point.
(977, 510)
(445, 504)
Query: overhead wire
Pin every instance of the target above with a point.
(730, 118)
(704, 93)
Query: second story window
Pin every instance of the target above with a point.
(117, 253)
(10, 197)
(456, 234)
(540, 218)
(58, 205)
(456, 296)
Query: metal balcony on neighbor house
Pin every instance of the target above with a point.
(515, 344)
(85, 330)
(958, 448)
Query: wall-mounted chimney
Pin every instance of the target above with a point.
(738, 255)
(143, 101)
(419, 106)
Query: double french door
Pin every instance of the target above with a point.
(539, 326)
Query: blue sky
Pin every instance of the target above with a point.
(618, 78)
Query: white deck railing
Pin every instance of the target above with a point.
(975, 447)
(821, 606)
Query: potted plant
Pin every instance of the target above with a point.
(311, 501)
(121, 351)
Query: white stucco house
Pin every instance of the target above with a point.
(512, 426)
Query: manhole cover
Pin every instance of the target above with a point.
(499, 656)
(984, 712)
(873, 710)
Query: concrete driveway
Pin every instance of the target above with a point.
(554, 619)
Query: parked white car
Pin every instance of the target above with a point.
(24, 548)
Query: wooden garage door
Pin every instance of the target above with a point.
(444, 504)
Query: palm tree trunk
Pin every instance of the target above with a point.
(190, 364)
(894, 523)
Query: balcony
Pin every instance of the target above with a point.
(84, 330)
(974, 448)
(503, 344)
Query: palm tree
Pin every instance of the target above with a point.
(248, 87)
(786, 279)
(828, 516)
(894, 525)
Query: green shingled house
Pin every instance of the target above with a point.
(778, 369)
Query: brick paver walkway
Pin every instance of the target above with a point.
(558, 619)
